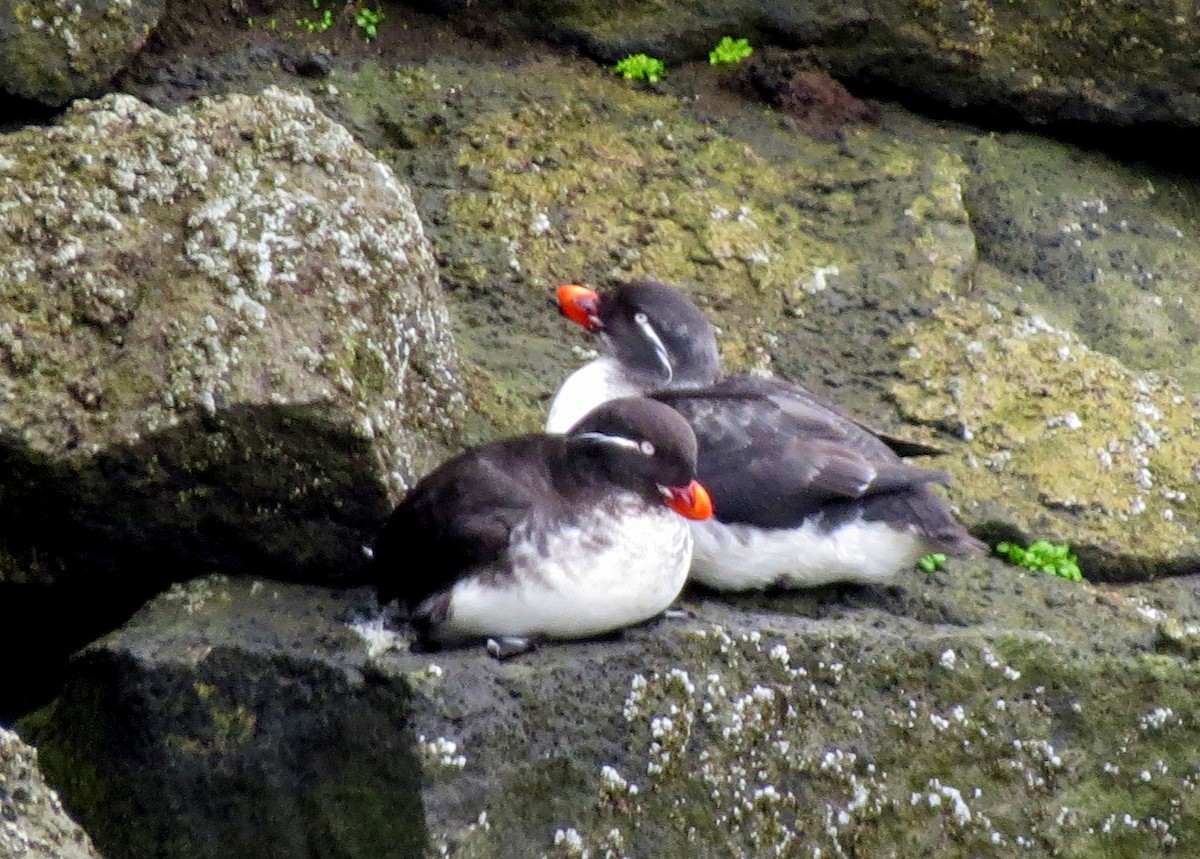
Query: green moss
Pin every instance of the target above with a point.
(1042, 556)
(640, 67)
(730, 50)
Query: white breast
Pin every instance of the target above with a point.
(735, 557)
(609, 571)
(589, 386)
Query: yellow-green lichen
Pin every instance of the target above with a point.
(1057, 434)
(607, 180)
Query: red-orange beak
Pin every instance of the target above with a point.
(692, 501)
(580, 304)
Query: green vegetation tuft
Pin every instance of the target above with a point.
(1044, 557)
(316, 25)
(639, 67)
(729, 51)
(368, 20)
(932, 563)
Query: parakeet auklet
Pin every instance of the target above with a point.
(548, 536)
(804, 495)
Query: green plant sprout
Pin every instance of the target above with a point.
(321, 24)
(729, 51)
(639, 67)
(368, 20)
(1043, 556)
(932, 563)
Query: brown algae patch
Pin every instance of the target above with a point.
(1067, 441)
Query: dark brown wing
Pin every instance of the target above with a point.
(773, 460)
(790, 395)
(459, 518)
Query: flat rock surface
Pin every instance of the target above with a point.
(974, 712)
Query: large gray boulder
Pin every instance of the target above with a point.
(222, 333)
(35, 824)
(54, 52)
(967, 713)
(222, 344)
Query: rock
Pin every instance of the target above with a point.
(1102, 246)
(53, 52)
(956, 713)
(1062, 439)
(877, 270)
(222, 343)
(236, 307)
(35, 825)
(1121, 65)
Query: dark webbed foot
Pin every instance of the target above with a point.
(508, 646)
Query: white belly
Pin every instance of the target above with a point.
(589, 386)
(742, 557)
(561, 591)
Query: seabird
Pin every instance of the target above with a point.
(804, 495)
(548, 536)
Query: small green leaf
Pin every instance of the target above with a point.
(639, 67)
(730, 50)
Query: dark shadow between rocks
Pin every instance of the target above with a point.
(17, 112)
(273, 492)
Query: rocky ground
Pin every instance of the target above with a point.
(315, 276)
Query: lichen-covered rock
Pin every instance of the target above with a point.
(53, 51)
(1060, 440)
(1107, 248)
(221, 332)
(974, 712)
(223, 344)
(35, 824)
(799, 250)
(1119, 63)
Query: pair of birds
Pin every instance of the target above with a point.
(574, 533)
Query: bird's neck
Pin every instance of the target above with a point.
(594, 383)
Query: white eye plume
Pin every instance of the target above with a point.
(614, 440)
(660, 351)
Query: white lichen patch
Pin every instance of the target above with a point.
(197, 593)
(378, 636)
(441, 752)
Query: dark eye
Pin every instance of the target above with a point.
(640, 318)
(646, 447)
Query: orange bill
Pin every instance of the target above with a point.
(692, 501)
(580, 304)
